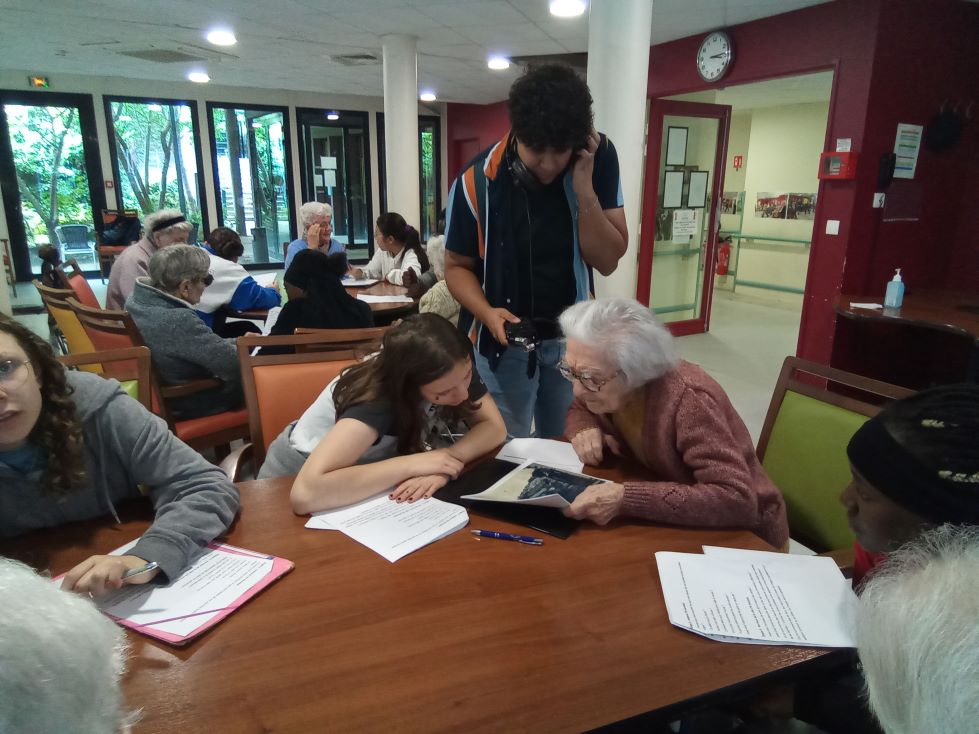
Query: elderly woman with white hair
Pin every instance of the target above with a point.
(635, 397)
(316, 219)
(161, 229)
(61, 659)
(183, 347)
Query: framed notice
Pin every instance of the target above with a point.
(673, 190)
(676, 146)
(697, 194)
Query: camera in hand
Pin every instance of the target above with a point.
(522, 334)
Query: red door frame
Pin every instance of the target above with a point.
(658, 109)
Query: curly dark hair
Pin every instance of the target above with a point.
(225, 242)
(58, 432)
(419, 350)
(550, 107)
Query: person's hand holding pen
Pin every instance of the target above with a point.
(100, 574)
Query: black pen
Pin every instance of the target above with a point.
(525, 539)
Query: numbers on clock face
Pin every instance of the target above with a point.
(714, 56)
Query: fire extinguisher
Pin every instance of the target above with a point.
(724, 256)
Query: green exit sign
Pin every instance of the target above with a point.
(41, 82)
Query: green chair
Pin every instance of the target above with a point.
(814, 412)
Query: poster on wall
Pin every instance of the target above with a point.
(697, 193)
(731, 202)
(770, 206)
(684, 224)
(907, 144)
(676, 146)
(673, 189)
(801, 206)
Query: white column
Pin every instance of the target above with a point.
(618, 67)
(401, 126)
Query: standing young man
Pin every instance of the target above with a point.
(528, 220)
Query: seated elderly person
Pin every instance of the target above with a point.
(161, 229)
(62, 659)
(918, 636)
(183, 348)
(634, 396)
(233, 288)
(316, 219)
(437, 299)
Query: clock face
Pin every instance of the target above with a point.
(715, 56)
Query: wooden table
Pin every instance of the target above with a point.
(385, 311)
(464, 635)
(951, 311)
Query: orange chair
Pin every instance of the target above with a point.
(72, 338)
(117, 330)
(76, 281)
(279, 388)
(140, 379)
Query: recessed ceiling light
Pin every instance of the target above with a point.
(498, 63)
(332, 115)
(427, 96)
(567, 8)
(199, 77)
(221, 37)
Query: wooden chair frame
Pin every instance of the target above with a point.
(328, 340)
(143, 367)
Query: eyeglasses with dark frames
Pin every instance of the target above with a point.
(590, 382)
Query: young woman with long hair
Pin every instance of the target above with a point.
(397, 248)
(375, 425)
(73, 444)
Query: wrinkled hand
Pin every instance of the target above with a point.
(439, 461)
(418, 488)
(100, 574)
(495, 320)
(599, 503)
(589, 446)
(584, 166)
(313, 237)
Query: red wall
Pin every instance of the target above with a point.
(470, 128)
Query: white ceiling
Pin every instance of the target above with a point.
(287, 44)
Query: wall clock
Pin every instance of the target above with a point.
(714, 56)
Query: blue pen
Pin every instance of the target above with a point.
(525, 539)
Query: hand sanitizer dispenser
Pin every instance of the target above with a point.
(894, 295)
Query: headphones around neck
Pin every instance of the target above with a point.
(522, 176)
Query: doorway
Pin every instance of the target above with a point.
(52, 177)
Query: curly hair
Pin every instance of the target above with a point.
(550, 107)
(58, 432)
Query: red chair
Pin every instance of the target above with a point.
(72, 275)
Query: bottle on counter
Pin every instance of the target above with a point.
(894, 295)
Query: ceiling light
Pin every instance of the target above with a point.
(221, 37)
(199, 77)
(427, 96)
(498, 63)
(332, 115)
(567, 8)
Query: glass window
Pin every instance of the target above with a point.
(335, 156)
(155, 155)
(429, 172)
(252, 178)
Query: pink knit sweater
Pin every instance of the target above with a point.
(699, 455)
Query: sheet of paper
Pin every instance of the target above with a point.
(533, 483)
(907, 144)
(212, 583)
(544, 451)
(753, 597)
(394, 529)
(329, 178)
(264, 279)
(383, 299)
(270, 320)
(872, 306)
(358, 282)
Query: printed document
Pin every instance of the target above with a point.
(758, 597)
(358, 282)
(383, 299)
(264, 279)
(544, 451)
(393, 529)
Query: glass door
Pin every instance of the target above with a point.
(52, 178)
(335, 157)
(429, 171)
(686, 145)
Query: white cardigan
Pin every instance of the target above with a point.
(385, 266)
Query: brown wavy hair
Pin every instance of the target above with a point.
(58, 432)
(419, 350)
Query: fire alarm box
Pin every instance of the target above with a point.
(838, 165)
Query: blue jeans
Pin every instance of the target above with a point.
(545, 397)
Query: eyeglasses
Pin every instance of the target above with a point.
(206, 280)
(588, 381)
(13, 373)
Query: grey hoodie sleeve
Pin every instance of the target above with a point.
(194, 500)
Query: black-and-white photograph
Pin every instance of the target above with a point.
(533, 482)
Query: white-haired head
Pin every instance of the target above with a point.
(60, 659)
(311, 211)
(627, 332)
(167, 226)
(918, 634)
(435, 249)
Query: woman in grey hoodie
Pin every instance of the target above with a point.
(73, 444)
